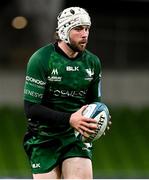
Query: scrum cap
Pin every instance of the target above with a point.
(70, 18)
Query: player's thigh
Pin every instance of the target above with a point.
(77, 168)
(54, 174)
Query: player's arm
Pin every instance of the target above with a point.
(55, 118)
(49, 116)
(94, 90)
(94, 94)
(34, 88)
(81, 123)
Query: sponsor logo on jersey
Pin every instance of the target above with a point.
(33, 94)
(87, 146)
(90, 73)
(36, 81)
(54, 72)
(71, 68)
(54, 76)
(67, 93)
(35, 165)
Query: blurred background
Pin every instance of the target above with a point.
(120, 37)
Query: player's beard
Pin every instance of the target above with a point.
(79, 46)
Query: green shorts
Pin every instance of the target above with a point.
(45, 154)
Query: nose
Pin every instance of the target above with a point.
(85, 32)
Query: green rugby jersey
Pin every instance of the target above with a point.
(61, 83)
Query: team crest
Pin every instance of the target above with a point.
(90, 73)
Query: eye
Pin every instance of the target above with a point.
(78, 28)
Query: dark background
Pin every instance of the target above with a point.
(119, 33)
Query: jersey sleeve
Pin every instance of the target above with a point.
(94, 92)
(35, 80)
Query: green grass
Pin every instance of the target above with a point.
(13, 160)
(122, 153)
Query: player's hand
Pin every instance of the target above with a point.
(109, 125)
(81, 123)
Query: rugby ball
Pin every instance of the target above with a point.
(100, 112)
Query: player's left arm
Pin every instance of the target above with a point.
(94, 90)
(94, 93)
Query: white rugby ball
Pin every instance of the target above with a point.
(100, 112)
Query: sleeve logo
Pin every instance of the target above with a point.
(36, 81)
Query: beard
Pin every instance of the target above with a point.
(77, 47)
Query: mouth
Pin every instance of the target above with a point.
(83, 42)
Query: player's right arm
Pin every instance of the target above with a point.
(34, 88)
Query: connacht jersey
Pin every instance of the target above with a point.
(61, 83)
